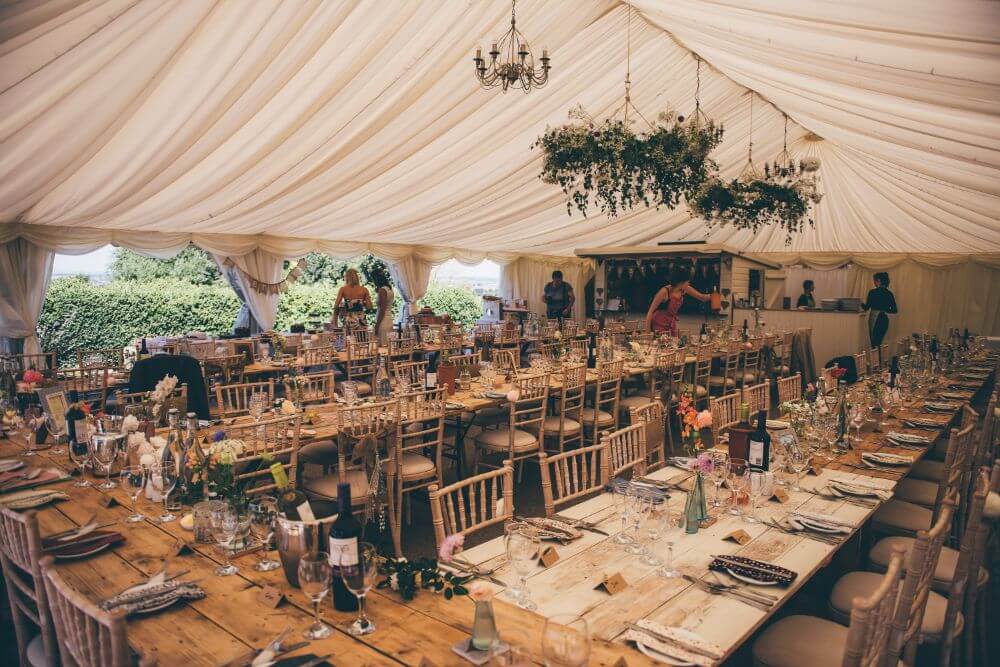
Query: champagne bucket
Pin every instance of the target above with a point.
(299, 538)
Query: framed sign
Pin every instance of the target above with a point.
(55, 405)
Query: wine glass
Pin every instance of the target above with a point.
(54, 431)
(522, 552)
(720, 468)
(637, 505)
(104, 451)
(256, 405)
(619, 497)
(673, 524)
(737, 485)
(134, 481)
(758, 486)
(655, 524)
(797, 459)
(358, 571)
(315, 573)
(225, 527)
(79, 454)
(566, 641)
(163, 479)
(263, 512)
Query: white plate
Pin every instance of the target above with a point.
(662, 658)
(750, 580)
(496, 394)
(84, 554)
(818, 527)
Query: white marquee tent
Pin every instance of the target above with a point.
(263, 129)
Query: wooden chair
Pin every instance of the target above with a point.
(451, 343)
(177, 399)
(573, 475)
(88, 383)
(362, 364)
(361, 335)
(626, 450)
(87, 635)
(234, 399)
(416, 457)
(409, 374)
(474, 504)
(266, 442)
(603, 414)
(200, 349)
(758, 397)
(20, 553)
(883, 355)
(402, 348)
(800, 640)
(318, 359)
(861, 363)
(566, 426)
(670, 394)
(783, 361)
(789, 388)
(113, 357)
(467, 362)
(522, 437)
(659, 379)
(726, 380)
(725, 413)
(42, 362)
(750, 363)
(507, 361)
(224, 370)
(653, 416)
(310, 388)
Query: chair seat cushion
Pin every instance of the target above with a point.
(35, 652)
(861, 584)
(932, 471)
(323, 452)
(749, 376)
(603, 418)
(630, 402)
(325, 486)
(795, 641)
(718, 381)
(417, 465)
(499, 440)
(944, 572)
(700, 391)
(363, 388)
(551, 425)
(917, 491)
(897, 517)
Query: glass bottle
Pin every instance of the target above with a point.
(484, 627)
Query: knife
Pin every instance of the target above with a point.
(705, 653)
(708, 588)
(580, 523)
(476, 575)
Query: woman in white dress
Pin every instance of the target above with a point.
(384, 297)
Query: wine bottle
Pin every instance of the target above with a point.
(291, 502)
(172, 455)
(704, 333)
(143, 350)
(591, 350)
(760, 445)
(344, 534)
(383, 388)
(739, 435)
(746, 331)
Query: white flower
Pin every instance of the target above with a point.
(394, 581)
(130, 424)
(288, 408)
(158, 442)
(163, 389)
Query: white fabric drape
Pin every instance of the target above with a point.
(412, 275)
(526, 278)
(263, 266)
(25, 270)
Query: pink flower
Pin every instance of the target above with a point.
(31, 376)
(451, 545)
(683, 403)
(705, 464)
(704, 419)
(480, 591)
(513, 395)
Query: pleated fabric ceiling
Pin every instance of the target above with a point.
(362, 122)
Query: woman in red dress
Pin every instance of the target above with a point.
(662, 314)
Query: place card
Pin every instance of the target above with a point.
(612, 583)
(181, 548)
(708, 522)
(741, 537)
(270, 596)
(780, 495)
(107, 501)
(549, 556)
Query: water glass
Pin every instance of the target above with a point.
(637, 505)
(720, 468)
(737, 482)
(315, 573)
(163, 479)
(257, 405)
(758, 484)
(225, 528)
(797, 459)
(566, 641)
(619, 498)
(673, 526)
(358, 573)
(655, 525)
(522, 553)
(263, 513)
(79, 454)
(133, 482)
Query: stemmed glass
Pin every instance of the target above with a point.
(134, 481)
(54, 431)
(263, 512)
(359, 573)
(256, 405)
(104, 451)
(720, 468)
(737, 485)
(673, 524)
(619, 496)
(79, 454)
(797, 459)
(655, 524)
(225, 527)
(566, 641)
(637, 506)
(757, 486)
(522, 552)
(163, 479)
(315, 573)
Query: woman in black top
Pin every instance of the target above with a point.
(880, 304)
(806, 299)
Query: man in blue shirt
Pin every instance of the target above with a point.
(558, 297)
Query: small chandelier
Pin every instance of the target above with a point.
(518, 70)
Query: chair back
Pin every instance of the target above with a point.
(88, 636)
(570, 406)
(361, 335)
(20, 553)
(725, 413)
(266, 442)
(402, 348)
(359, 430)
(751, 362)
(420, 430)
(473, 504)
(319, 358)
(228, 368)
(108, 356)
(362, 361)
(527, 412)
(467, 362)
(731, 363)
(957, 461)
(200, 349)
(861, 363)
(671, 393)
(87, 383)
(42, 362)
(310, 388)
(758, 396)
(653, 416)
(789, 388)
(409, 374)
(507, 361)
(607, 392)
(626, 450)
(451, 343)
(234, 399)
(871, 618)
(572, 475)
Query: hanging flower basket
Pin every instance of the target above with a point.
(611, 167)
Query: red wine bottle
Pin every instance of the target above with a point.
(760, 445)
(344, 534)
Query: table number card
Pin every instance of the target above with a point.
(781, 495)
(107, 501)
(740, 536)
(180, 548)
(612, 583)
(549, 556)
(270, 596)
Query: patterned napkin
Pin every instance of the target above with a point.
(80, 544)
(551, 529)
(822, 519)
(908, 438)
(753, 569)
(28, 499)
(885, 458)
(681, 640)
(153, 595)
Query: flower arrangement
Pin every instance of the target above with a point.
(691, 420)
(610, 166)
(408, 577)
(32, 376)
(212, 469)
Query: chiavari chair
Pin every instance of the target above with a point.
(570, 328)
(573, 475)
(224, 370)
(42, 362)
(87, 635)
(626, 450)
(113, 357)
(861, 363)
(474, 504)
(177, 399)
(603, 414)
(20, 553)
(509, 336)
(89, 383)
(729, 367)
(362, 364)
(758, 397)
(548, 330)
(521, 439)
(566, 426)
(451, 343)
(416, 457)
(659, 376)
(784, 360)
(750, 362)
(200, 349)
(234, 399)
(469, 361)
(808, 640)
(883, 354)
(319, 358)
(402, 348)
(264, 443)
(507, 360)
(725, 413)
(409, 374)
(653, 416)
(310, 388)
(362, 335)
(789, 388)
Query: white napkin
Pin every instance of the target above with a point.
(675, 649)
(820, 517)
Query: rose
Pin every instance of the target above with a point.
(705, 464)
(704, 419)
(513, 395)
(480, 591)
(451, 545)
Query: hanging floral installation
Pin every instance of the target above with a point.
(783, 196)
(610, 166)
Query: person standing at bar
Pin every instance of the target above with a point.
(662, 314)
(880, 304)
(806, 299)
(558, 297)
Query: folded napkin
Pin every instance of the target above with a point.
(682, 462)
(678, 645)
(822, 518)
(47, 476)
(79, 545)
(941, 406)
(919, 422)
(153, 595)
(6, 465)
(27, 499)
(955, 395)
(551, 529)
(885, 458)
(753, 569)
(908, 438)
(852, 489)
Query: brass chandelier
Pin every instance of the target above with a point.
(517, 70)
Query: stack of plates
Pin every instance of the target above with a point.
(850, 304)
(829, 304)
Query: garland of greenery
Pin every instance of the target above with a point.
(610, 166)
(409, 576)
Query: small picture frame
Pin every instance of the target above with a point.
(55, 405)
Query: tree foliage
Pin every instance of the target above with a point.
(463, 305)
(191, 265)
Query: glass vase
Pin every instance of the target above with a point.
(484, 627)
(695, 507)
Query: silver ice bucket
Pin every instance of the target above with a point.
(298, 538)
